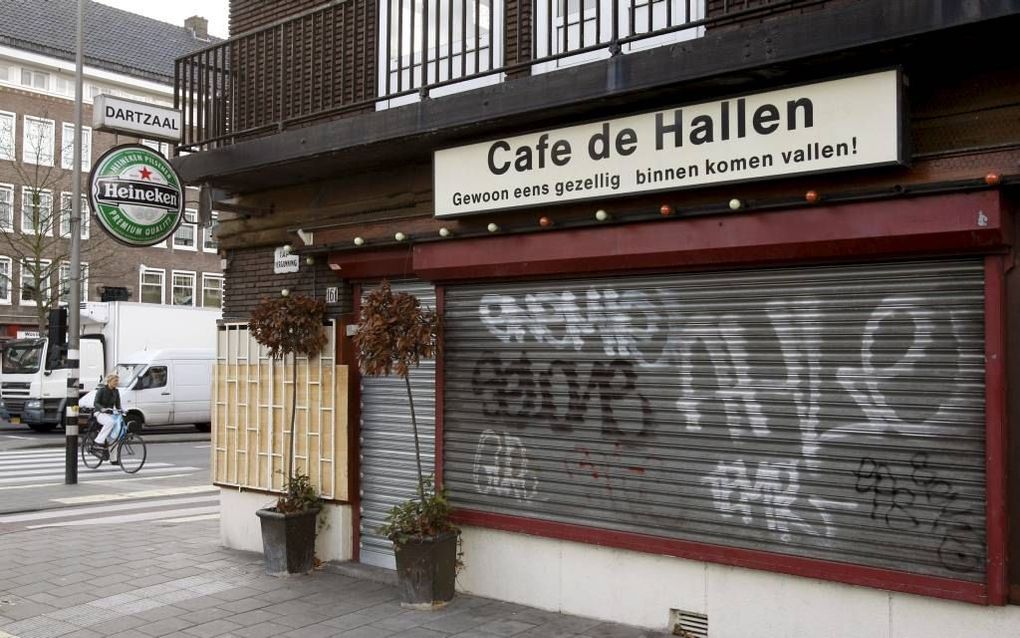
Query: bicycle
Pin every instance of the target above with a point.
(129, 447)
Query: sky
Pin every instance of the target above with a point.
(177, 11)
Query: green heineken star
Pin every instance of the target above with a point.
(136, 195)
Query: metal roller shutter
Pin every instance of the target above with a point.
(827, 412)
(387, 467)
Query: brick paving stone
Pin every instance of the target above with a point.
(421, 632)
(253, 617)
(164, 627)
(504, 627)
(366, 632)
(313, 631)
(204, 615)
(242, 605)
(212, 629)
(265, 630)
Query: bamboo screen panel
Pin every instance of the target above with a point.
(251, 420)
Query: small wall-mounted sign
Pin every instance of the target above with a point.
(333, 295)
(284, 261)
(117, 115)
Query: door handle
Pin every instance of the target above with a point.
(166, 394)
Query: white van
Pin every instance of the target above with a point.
(164, 387)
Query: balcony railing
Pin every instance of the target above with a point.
(351, 56)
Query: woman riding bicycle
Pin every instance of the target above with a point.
(107, 398)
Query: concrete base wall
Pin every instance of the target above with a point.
(240, 528)
(640, 589)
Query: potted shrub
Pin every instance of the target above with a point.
(290, 325)
(394, 335)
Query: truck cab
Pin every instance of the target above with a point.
(34, 385)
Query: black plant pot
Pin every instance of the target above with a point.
(427, 571)
(288, 541)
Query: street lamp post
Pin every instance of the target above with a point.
(74, 305)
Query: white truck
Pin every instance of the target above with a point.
(34, 381)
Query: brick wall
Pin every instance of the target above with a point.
(250, 279)
(110, 263)
(246, 15)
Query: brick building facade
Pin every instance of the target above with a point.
(36, 145)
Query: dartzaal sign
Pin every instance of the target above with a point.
(835, 125)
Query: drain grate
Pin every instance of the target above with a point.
(688, 624)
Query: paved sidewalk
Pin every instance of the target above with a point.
(174, 580)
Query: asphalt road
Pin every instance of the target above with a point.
(14, 436)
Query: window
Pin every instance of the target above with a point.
(37, 145)
(36, 211)
(159, 147)
(65, 282)
(184, 238)
(212, 291)
(67, 147)
(154, 377)
(209, 242)
(470, 41)
(5, 72)
(7, 135)
(150, 283)
(32, 273)
(5, 280)
(35, 79)
(567, 25)
(65, 215)
(63, 86)
(7, 207)
(183, 293)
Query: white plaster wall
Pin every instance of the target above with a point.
(640, 589)
(240, 527)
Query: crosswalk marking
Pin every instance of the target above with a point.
(100, 473)
(42, 467)
(189, 519)
(131, 518)
(52, 468)
(101, 509)
(119, 496)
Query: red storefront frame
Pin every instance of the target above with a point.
(975, 223)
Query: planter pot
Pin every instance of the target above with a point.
(427, 571)
(288, 541)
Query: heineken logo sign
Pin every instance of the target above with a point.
(136, 195)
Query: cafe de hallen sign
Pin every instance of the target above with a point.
(136, 195)
(836, 125)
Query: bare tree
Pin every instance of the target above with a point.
(40, 243)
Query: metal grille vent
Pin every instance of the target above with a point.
(688, 624)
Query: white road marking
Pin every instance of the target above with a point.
(166, 491)
(131, 518)
(96, 474)
(68, 512)
(49, 469)
(188, 519)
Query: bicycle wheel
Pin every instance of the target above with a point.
(131, 453)
(91, 452)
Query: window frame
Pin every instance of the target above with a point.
(194, 287)
(67, 147)
(212, 277)
(21, 291)
(25, 146)
(65, 214)
(8, 299)
(144, 270)
(207, 235)
(25, 190)
(33, 73)
(9, 188)
(83, 282)
(13, 155)
(190, 220)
